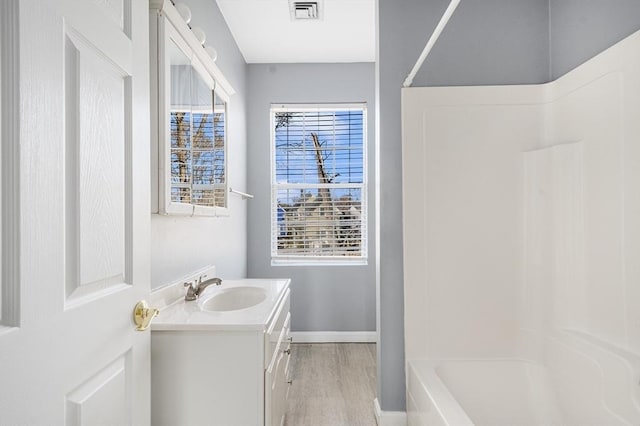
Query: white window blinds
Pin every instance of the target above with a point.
(319, 206)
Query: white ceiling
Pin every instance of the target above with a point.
(265, 32)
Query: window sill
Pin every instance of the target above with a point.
(318, 262)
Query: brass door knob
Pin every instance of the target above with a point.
(143, 315)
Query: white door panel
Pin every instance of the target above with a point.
(103, 399)
(74, 356)
(96, 93)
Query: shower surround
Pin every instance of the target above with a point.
(522, 249)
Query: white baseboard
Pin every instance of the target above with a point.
(334, 336)
(389, 418)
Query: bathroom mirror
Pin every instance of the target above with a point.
(191, 119)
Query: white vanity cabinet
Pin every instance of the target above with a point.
(235, 374)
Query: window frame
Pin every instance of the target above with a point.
(307, 259)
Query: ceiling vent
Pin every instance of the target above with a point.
(304, 10)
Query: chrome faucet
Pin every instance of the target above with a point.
(195, 288)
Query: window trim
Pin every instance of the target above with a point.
(311, 260)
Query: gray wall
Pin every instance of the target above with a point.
(181, 245)
(580, 29)
(486, 42)
(323, 298)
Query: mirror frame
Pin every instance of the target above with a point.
(171, 28)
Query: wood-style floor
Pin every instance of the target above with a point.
(334, 384)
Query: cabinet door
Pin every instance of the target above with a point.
(277, 379)
(275, 395)
(287, 361)
(274, 334)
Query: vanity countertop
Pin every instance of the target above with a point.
(188, 316)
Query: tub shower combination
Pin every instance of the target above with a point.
(522, 271)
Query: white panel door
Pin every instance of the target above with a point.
(70, 355)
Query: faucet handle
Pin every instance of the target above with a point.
(191, 291)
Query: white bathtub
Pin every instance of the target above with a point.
(480, 393)
(584, 381)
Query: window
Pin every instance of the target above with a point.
(319, 192)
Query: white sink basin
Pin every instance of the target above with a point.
(233, 299)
